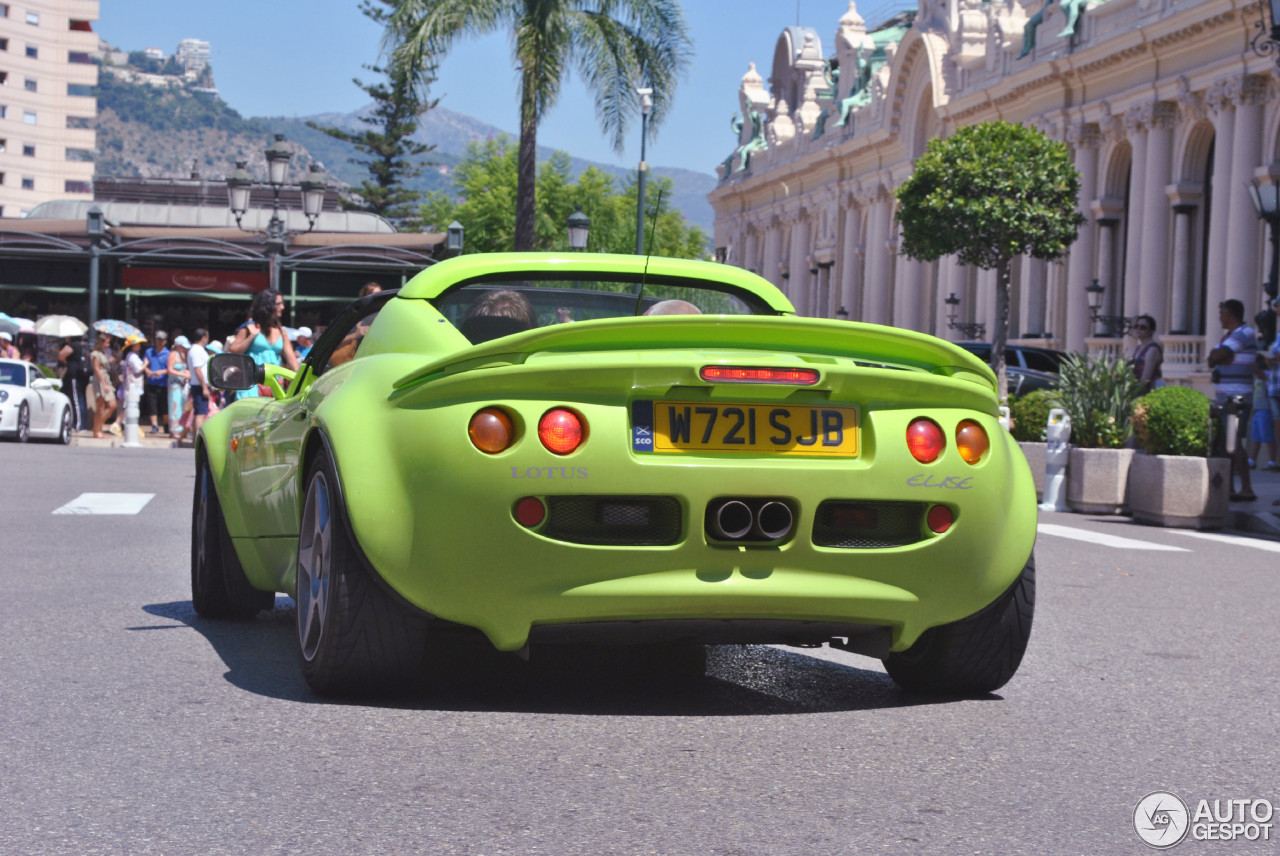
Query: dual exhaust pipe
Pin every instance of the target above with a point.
(755, 520)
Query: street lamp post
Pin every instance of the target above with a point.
(1116, 325)
(1265, 193)
(579, 226)
(453, 240)
(276, 236)
(95, 228)
(968, 329)
(646, 105)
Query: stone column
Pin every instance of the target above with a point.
(1153, 289)
(772, 253)
(1222, 108)
(848, 260)
(1183, 307)
(1135, 125)
(801, 285)
(749, 246)
(877, 288)
(1086, 138)
(1242, 278)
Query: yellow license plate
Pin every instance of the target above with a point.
(678, 426)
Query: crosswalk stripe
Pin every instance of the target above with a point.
(1104, 540)
(1255, 543)
(106, 503)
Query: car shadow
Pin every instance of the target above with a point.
(260, 656)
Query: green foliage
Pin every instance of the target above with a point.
(1030, 414)
(614, 47)
(988, 193)
(1098, 395)
(1173, 420)
(392, 155)
(484, 199)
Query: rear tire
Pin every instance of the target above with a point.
(354, 637)
(974, 655)
(219, 588)
(64, 431)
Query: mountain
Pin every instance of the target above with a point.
(450, 131)
(171, 131)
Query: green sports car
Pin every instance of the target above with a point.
(593, 449)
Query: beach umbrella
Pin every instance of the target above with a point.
(8, 325)
(61, 326)
(119, 329)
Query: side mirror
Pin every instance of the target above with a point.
(234, 371)
(43, 383)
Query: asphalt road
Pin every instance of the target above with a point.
(130, 726)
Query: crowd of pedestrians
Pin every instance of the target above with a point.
(169, 377)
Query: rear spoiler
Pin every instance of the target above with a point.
(871, 344)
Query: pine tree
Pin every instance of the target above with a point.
(392, 155)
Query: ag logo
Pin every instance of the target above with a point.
(1161, 819)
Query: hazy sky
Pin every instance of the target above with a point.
(297, 58)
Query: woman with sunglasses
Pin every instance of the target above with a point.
(1149, 353)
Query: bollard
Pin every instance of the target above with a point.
(131, 438)
(1056, 456)
(1004, 418)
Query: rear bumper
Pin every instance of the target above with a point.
(444, 537)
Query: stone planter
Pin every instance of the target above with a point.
(1173, 490)
(1034, 453)
(1097, 480)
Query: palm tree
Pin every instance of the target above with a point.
(615, 45)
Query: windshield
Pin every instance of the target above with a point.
(14, 374)
(493, 308)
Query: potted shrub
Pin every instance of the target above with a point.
(1173, 481)
(1098, 395)
(1030, 417)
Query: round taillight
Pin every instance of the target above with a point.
(561, 430)
(971, 441)
(491, 430)
(939, 519)
(530, 511)
(925, 440)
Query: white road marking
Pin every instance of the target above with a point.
(106, 503)
(1255, 543)
(1104, 540)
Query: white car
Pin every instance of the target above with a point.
(32, 405)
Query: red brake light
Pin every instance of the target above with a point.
(925, 440)
(561, 430)
(749, 374)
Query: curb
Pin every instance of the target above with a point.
(115, 441)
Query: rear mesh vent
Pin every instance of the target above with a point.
(639, 521)
(865, 525)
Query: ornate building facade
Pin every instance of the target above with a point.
(1168, 109)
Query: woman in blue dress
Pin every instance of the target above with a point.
(263, 338)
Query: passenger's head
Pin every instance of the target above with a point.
(673, 307)
(369, 288)
(497, 314)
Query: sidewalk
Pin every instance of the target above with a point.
(116, 441)
(1258, 517)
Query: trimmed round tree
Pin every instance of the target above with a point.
(989, 193)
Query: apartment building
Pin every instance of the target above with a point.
(47, 106)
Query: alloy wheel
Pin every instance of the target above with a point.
(315, 561)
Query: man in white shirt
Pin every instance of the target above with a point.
(197, 362)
